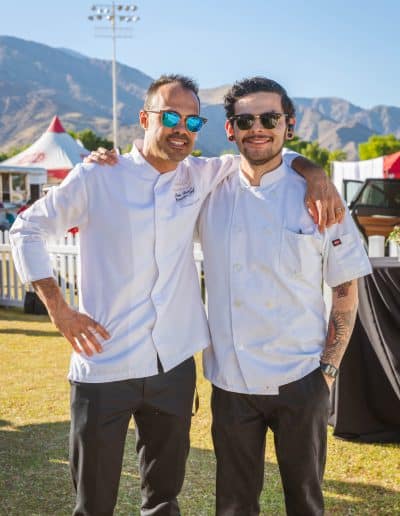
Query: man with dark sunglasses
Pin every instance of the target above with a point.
(272, 360)
(141, 316)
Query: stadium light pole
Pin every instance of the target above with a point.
(115, 14)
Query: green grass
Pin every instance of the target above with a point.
(361, 479)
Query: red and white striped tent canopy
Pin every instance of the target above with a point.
(55, 151)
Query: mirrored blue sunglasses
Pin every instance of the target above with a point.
(193, 123)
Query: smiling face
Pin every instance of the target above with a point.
(259, 146)
(165, 147)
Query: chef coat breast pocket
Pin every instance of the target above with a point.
(301, 255)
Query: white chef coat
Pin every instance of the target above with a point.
(139, 278)
(265, 263)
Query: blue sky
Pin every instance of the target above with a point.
(315, 48)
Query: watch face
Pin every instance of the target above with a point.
(329, 369)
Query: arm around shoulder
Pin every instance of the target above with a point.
(322, 199)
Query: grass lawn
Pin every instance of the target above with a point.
(362, 479)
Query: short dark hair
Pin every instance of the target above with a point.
(254, 85)
(186, 82)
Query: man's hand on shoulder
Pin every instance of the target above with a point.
(102, 156)
(322, 199)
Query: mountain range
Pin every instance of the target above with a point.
(38, 82)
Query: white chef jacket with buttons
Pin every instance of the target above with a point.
(139, 278)
(265, 263)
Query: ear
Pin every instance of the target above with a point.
(290, 128)
(230, 133)
(143, 119)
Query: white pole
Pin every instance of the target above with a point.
(114, 81)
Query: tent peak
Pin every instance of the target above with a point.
(55, 126)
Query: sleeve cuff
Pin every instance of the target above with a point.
(32, 262)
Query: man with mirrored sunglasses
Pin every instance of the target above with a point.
(141, 316)
(272, 359)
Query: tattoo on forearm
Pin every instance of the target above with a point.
(343, 289)
(340, 327)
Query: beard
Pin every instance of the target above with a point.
(260, 158)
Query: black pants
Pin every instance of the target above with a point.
(100, 413)
(298, 418)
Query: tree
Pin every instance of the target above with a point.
(197, 153)
(12, 152)
(90, 140)
(229, 151)
(319, 155)
(337, 155)
(296, 144)
(378, 145)
(127, 149)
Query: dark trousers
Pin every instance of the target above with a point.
(161, 406)
(298, 417)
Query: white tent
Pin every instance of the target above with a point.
(355, 171)
(55, 150)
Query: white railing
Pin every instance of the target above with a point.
(12, 291)
(64, 255)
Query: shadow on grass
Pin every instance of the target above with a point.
(34, 479)
(30, 333)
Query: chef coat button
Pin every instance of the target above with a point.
(157, 300)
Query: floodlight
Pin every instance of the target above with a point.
(107, 12)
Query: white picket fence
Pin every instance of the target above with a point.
(64, 256)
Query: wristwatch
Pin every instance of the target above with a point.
(329, 369)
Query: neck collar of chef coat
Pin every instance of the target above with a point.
(266, 180)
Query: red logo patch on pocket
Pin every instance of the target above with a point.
(336, 242)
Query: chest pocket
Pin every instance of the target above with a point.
(301, 256)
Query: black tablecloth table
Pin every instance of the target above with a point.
(366, 395)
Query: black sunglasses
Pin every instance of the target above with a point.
(268, 120)
(193, 123)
